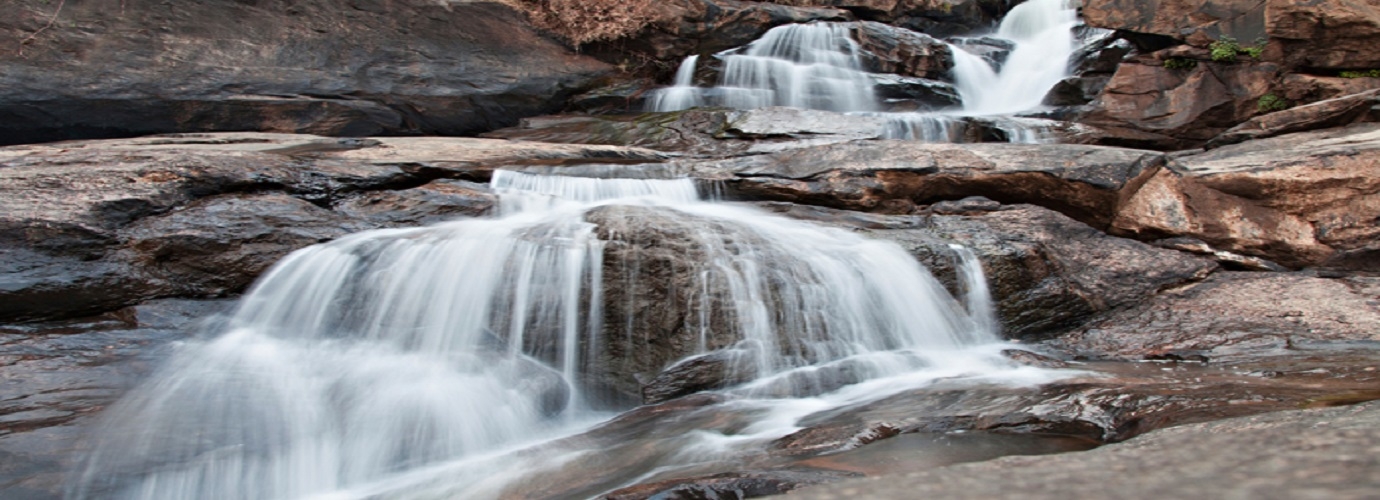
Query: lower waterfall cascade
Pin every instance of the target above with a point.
(817, 66)
(454, 361)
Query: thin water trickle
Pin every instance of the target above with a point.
(410, 363)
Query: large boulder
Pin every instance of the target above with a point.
(887, 49)
(1197, 21)
(1148, 104)
(1047, 272)
(93, 226)
(1326, 34)
(1305, 199)
(354, 68)
(1236, 316)
(1084, 182)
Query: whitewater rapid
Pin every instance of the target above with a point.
(451, 360)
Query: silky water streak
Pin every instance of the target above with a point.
(397, 362)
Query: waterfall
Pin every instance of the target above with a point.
(811, 66)
(391, 359)
(1042, 33)
(683, 94)
(817, 66)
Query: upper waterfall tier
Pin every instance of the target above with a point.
(819, 66)
(1041, 31)
(813, 66)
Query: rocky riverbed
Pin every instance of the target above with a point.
(1201, 267)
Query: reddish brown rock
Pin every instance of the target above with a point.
(686, 27)
(1326, 34)
(1235, 316)
(1303, 199)
(935, 17)
(1302, 88)
(1345, 110)
(1323, 34)
(1196, 21)
(1083, 182)
(1178, 108)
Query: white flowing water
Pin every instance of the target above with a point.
(683, 94)
(435, 362)
(811, 66)
(1042, 31)
(818, 66)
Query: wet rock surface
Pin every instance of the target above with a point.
(653, 260)
(1047, 272)
(887, 49)
(729, 484)
(1085, 182)
(436, 201)
(1287, 454)
(432, 67)
(58, 375)
(725, 133)
(95, 226)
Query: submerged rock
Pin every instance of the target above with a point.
(70, 371)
